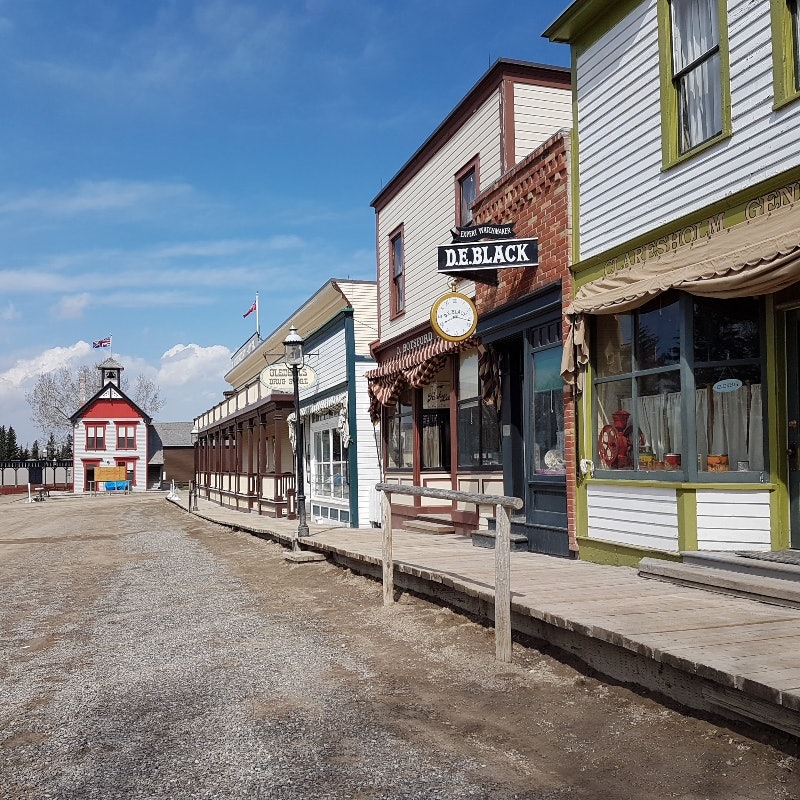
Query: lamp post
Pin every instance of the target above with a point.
(293, 345)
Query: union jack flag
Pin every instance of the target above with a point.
(102, 343)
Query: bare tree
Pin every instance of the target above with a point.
(58, 394)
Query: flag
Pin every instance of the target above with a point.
(102, 343)
(252, 308)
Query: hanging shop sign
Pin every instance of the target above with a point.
(454, 316)
(492, 255)
(474, 233)
(278, 378)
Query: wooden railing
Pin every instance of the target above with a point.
(502, 551)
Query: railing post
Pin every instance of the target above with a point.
(502, 589)
(388, 562)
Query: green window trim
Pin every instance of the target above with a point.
(670, 149)
(784, 69)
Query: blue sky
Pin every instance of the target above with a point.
(163, 160)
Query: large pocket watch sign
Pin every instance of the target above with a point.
(454, 317)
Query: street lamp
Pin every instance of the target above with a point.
(293, 345)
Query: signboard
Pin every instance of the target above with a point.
(727, 385)
(488, 255)
(109, 473)
(474, 233)
(278, 378)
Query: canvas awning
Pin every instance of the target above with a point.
(756, 257)
(414, 369)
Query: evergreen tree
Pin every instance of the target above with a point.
(50, 448)
(23, 454)
(12, 448)
(66, 448)
(3, 455)
(35, 450)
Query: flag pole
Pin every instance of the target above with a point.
(258, 328)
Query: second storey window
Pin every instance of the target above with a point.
(467, 190)
(697, 70)
(95, 437)
(397, 265)
(795, 26)
(126, 437)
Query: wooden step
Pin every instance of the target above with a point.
(519, 542)
(426, 526)
(775, 591)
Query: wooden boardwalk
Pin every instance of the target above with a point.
(713, 652)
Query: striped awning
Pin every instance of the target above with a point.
(414, 369)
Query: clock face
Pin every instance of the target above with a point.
(454, 317)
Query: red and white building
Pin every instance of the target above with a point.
(109, 430)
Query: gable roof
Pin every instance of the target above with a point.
(167, 434)
(119, 394)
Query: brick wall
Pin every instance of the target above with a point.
(536, 196)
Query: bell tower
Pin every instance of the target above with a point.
(110, 372)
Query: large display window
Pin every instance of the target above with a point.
(678, 389)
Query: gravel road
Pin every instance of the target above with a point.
(148, 654)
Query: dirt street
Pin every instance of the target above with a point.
(146, 653)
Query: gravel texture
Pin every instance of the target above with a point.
(139, 660)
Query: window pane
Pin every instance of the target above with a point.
(726, 330)
(700, 104)
(490, 435)
(469, 434)
(436, 440)
(548, 412)
(658, 336)
(697, 70)
(468, 375)
(614, 425)
(467, 186)
(695, 31)
(658, 418)
(729, 411)
(795, 41)
(614, 335)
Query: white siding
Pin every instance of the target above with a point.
(733, 520)
(368, 469)
(329, 360)
(539, 112)
(364, 300)
(426, 208)
(632, 515)
(623, 191)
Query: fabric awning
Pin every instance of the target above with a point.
(756, 257)
(414, 369)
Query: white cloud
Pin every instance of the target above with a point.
(9, 313)
(72, 306)
(91, 197)
(183, 364)
(25, 371)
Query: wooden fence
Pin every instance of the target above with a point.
(502, 551)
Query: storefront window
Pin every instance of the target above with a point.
(548, 412)
(478, 423)
(643, 417)
(400, 434)
(329, 468)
